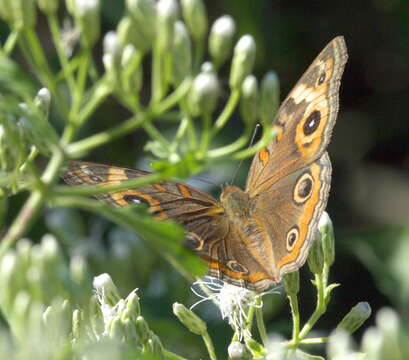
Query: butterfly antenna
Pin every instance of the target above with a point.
(241, 161)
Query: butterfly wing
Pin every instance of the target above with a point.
(304, 121)
(201, 215)
(289, 211)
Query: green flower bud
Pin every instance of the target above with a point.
(243, 61)
(112, 57)
(132, 305)
(204, 93)
(48, 6)
(207, 67)
(20, 311)
(249, 102)
(106, 290)
(131, 75)
(116, 329)
(76, 325)
(356, 317)
(328, 239)
(23, 13)
(142, 330)
(167, 15)
(155, 346)
(6, 11)
(221, 39)
(292, 283)
(42, 101)
(78, 269)
(188, 318)
(316, 255)
(129, 33)
(373, 342)
(35, 126)
(144, 14)
(238, 351)
(194, 14)
(388, 321)
(88, 19)
(269, 98)
(340, 345)
(181, 54)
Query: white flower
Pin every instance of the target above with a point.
(233, 302)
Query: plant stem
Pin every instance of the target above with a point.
(172, 356)
(75, 149)
(227, 112)
(209, 345)
(11, 42)
(32, 206)
(319, 309)
(260, 323)
(296, 318)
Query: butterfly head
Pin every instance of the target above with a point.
(236, 202)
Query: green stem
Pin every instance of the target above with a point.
(11, 42)
(177, 95)
(319, 309)
(227, 112)
(76, 149)
(172, 356)
(266, 139)
(156, 74)
(56, 35)
(204, 143)
(32, 206)
(260, 323)
(231, 148)
(209, 345)
(296, 318)
(317, 340)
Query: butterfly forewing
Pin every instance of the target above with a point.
(304, 121)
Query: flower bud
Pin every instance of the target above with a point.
(116, 328)
(340, 345)
(249, 100)
(269, 98)
(292, 283)
(142, 330)
(112, 57)
(106, 290)
(6, 11)
(328, 239)
(167, 14)
(77, 319)
(221, 39)
(20, 13)
(243, 61)
(43, 100)
(48, 6)
(356, 317)
(316, 255)
(132, 304)
(129, 33)
(194, 14)
(131, 74)
(207, 67)
(373, 342)
(238, 351)
(181, 54)
(87, 17)
(388, 321)
(188, 318)
(204, 93)
(143, 13)
(155, 346)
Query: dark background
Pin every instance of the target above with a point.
(369, 201)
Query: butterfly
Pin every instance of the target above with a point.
(252, 238)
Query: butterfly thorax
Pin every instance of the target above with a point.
(236, 203)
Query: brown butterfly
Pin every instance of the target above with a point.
(252, 238)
